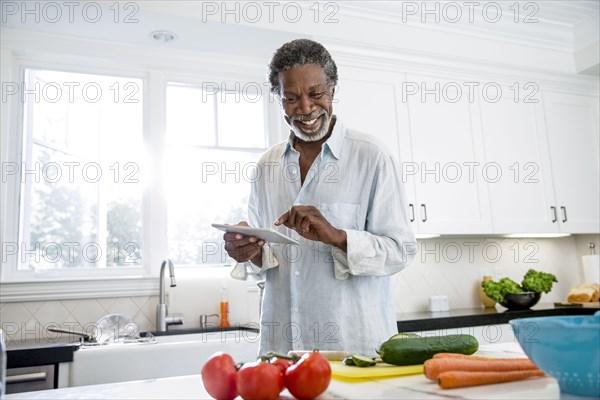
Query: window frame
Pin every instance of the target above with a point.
(103, 282)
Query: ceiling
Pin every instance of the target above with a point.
(565, 26)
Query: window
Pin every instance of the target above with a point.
(88, 199)
(81, 187)
(214, 139)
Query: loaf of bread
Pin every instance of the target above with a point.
(584, 293)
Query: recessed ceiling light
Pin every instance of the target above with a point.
(163, 36)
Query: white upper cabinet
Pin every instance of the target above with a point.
(451, 197)
(477, 164)
(572, 128)
(367, 102)
(514, 142)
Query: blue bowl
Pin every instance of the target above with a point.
(566, 348)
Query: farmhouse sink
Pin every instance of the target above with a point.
(167, 356)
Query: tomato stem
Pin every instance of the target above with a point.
(273, 354)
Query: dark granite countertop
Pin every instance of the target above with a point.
(30, 353)
(465, 317)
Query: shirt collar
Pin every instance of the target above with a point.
(334, 143)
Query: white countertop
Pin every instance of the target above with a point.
(407, 387)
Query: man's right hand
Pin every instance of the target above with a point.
(244, 248)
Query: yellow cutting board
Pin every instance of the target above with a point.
(380, 370)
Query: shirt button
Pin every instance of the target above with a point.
(296, 273)
(296, 309)
(294, 172)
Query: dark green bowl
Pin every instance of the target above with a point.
(521, 301)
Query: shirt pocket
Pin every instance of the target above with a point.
(340, 215)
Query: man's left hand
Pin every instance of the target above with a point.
(311, 224)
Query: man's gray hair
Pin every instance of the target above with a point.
(297, 53)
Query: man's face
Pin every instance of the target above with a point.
(306, 100)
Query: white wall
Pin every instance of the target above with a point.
(436, 270)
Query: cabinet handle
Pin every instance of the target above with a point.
(424, 207)
(564, 211)
(554, 213)
(412, 212)
(25, 378)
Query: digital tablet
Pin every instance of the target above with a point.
(268, 235)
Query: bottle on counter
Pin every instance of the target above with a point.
(224, 323)
(487, 302)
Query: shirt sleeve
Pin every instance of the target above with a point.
(388, 244)
(255, 219)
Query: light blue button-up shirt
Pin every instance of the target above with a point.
(317, 296)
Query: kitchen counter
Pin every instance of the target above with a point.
(465, 317)
(43, 352)
(31, 353)
(408, 387)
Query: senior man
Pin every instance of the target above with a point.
(339, 193)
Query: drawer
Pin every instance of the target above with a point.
(29, 379)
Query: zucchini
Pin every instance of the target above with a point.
(416, 350)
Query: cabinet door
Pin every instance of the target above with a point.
(452, 196)
(572, 127)
(368, 103)
(514, 141)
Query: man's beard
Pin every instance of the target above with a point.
(315, 136)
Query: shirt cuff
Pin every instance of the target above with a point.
(268, 260)
(357, 249)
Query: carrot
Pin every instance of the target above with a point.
(477, 358)
(457, 379)
(435, 366)
(458, 355)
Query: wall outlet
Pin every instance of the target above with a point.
(498, 274)
(485, 272)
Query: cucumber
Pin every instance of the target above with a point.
(403, 335)
(416, 350)
(348, 361)
(359, 361)
(362, 361)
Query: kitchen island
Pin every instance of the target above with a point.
(406, 387)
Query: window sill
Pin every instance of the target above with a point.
(67, 289)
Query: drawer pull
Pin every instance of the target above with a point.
(25, 378)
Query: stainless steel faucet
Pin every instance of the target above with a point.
(163, 319)
(261, 288)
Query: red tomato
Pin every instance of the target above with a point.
(218, 376)
(309, 377)
(283, 365)
(259, 381)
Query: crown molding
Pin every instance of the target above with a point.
(548, 35)
(388, 59)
